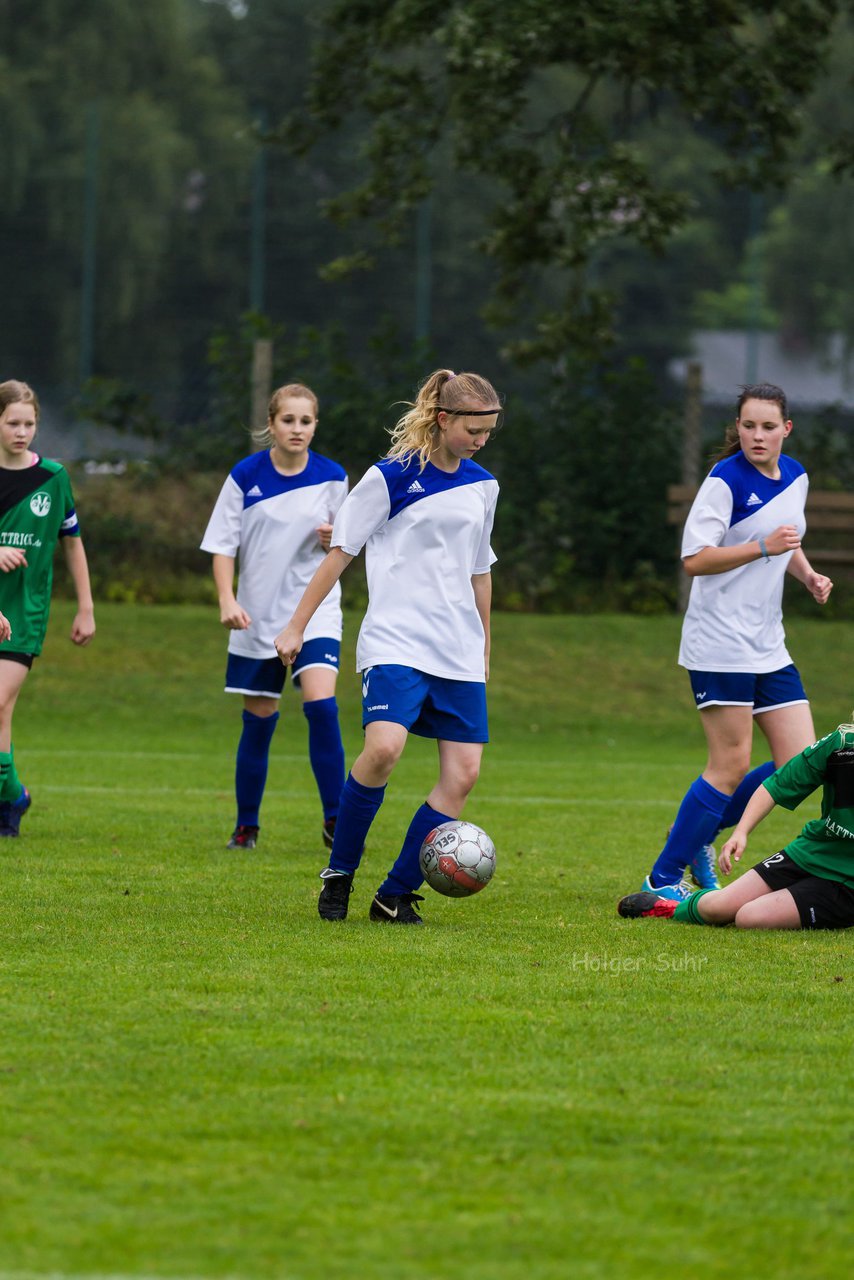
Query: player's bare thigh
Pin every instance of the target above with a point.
(788, 730)
(729, 738)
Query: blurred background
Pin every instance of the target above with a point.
(619, 213)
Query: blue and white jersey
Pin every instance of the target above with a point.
(425, 533)
(734, 620)
(272, 521)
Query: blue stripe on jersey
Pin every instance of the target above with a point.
(750, 488)
(258, 478)
(406, 484)
(69, 527)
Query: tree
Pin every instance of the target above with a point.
(546, 102)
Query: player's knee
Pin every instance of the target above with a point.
(383, 755)
(750, 916)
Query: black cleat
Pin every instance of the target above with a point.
(396, 908)
(335, 895)
(635, 905)
(243, 838)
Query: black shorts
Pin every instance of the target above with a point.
(25, 659)
(822, 904)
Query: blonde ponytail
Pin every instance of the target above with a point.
(415, 435)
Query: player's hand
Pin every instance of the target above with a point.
(288, 644)
(732, 851)
(5, 628)
(83, 626)
(784, 539)
(324, 535)
(233, 616)
(12, 558)
(819, 587)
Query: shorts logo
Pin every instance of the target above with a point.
(365, 686)
(40, 503)
(775, 857)
(700, 696)
(330, 657)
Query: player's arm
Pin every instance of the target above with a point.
(289, 640)
(816, 584)
(482, 587)
(711, 560)
(758, 807)
(231, 614)
(83, 626)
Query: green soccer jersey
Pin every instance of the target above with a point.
(36, 508)
(825, 846)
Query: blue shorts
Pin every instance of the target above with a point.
(431, 706)
(265, 677)
(766, 692)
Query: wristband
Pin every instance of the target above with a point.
(763, 549)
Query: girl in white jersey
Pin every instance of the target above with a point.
(742, 536)
(425, 516)
(276, 508)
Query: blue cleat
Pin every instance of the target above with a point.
(12, 812)
(671, 892)
(703, 869)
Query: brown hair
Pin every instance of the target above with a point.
(414, 435)
(757, 391)
(13, 392)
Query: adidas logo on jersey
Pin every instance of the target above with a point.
(255, 492)
(415, 487)
(753, 501)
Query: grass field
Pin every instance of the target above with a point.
(198, 1078)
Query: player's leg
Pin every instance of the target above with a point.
(361, 796)
(459, 767)
(729, 734)
(325, 748)
(707, 906)
(788, 730)
(454, 712)
(14, 796)
(260, 682)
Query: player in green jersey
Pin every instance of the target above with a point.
(36, 510)
(807, 885)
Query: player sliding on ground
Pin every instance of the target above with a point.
(807, 885)
(424, 514)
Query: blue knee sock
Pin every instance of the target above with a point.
(697, 823)
(250, 775)
(745, 789)
(405, 875)
(357, 809)
(325, 751)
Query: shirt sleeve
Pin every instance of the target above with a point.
(339, 496)
(362, 513)
(709, 517)
(803, 774)
(222, 536)
(486, 557)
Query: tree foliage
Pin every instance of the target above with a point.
(548, 102)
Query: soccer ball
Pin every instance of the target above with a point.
(457, 859)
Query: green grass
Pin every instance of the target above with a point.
(198, 1078)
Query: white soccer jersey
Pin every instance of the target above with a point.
(734, 620)
(425, 533)
(272, 520)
